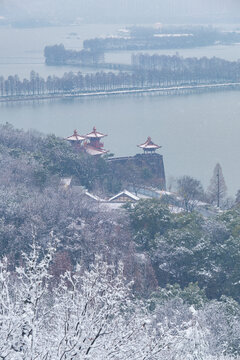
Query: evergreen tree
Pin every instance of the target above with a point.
(217, 189)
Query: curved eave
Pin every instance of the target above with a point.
(149, 147)
(93, 151)
(95, 135)
(75, 138)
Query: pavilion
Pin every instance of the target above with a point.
(149, 146)
(90, 143)
(94, 146)
(75, 138)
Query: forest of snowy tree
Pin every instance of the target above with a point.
(81, 282)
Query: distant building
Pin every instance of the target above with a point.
(75, 139)
(124, 196)
(149, 146)
(142, 165)
(148, 167)
(89, 143)
(94, 146)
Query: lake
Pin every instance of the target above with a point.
(22, 49)
(196, 131)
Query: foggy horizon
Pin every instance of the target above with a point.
(121, 10)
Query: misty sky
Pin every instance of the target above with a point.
(107, 9)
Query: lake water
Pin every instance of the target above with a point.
(196, 131)
(22, 49)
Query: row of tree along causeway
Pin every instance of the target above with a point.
(164, 91)
(165, 74)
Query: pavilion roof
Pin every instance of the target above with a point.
(149, 145)
(75, 137)
(94, 151)
(95, 134)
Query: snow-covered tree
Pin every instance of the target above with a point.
(8, 321)
(98, 320)
(89, 315)
(238, 197)
(194, 343)
(217, 189)
(92, 315)
(31, 302)
(191, 192)
(24, 307)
